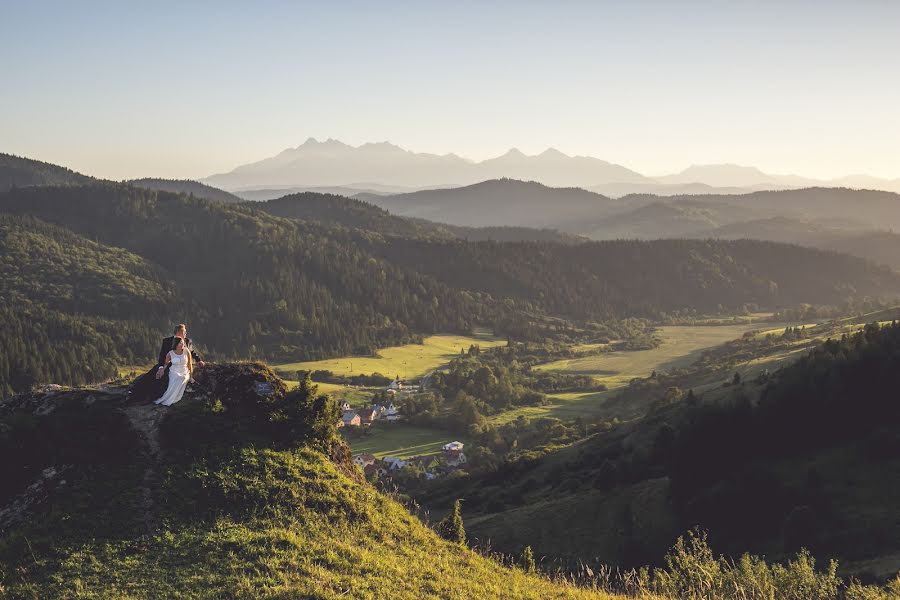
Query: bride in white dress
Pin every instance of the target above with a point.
(180, 373)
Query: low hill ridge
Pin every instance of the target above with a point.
(188, 187)
(18, 171)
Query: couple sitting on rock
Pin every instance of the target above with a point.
(178, 358)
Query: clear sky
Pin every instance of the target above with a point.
(185, 89)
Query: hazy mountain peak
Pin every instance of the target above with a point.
(513, 153)
(553, 153)
(381, 146)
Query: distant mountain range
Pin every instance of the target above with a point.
(859, 222)
(333, 166)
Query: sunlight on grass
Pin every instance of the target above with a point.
(409, 361)
(402, 440)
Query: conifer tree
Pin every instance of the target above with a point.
(452, 527)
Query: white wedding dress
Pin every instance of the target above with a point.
(179, 376)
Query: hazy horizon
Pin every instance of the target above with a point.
(119, 92)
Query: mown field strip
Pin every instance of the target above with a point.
(408, 361)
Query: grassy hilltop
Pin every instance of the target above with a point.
(241, 490)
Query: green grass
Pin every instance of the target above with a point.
(294, 526)
(400, 439)
(356, 396)
(681, 346)
(409, 361)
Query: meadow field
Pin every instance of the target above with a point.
(681, 345)
(402, 440)
(409, 362)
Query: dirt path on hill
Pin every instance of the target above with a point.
(145, 419)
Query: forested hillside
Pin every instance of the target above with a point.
(599, 280)
(18, 171)
(250, 284)
(332, 209)
(503, 202)
(72, 309)
(186, 186)
(339, 210)
(254, 285)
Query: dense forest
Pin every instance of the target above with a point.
(251, 284)
(599, 280)
(842, 395)
(72, 309)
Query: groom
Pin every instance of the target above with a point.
(152, 384)
(169, 343)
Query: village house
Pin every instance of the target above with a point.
(396, 385)
(351, 419)
(345, 407)
(368, 415)
(364, 460)
(453, 454)
(392, 412)
(394, 463)
(456, 461)
(452, 447)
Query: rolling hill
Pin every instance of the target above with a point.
(187, 187)
(251, 284)
(503, 202)
(574, 210)
(332, 209)
(17, 171)
(882, 247)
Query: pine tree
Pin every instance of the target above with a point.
(452, 527)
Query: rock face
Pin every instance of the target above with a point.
(237, 383)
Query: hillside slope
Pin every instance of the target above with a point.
(188, 187)
(250, 284)
(241, 490)
(807, 456)
(882, 247)
(331, 209)
(18, 171)
(60, 291)
(503, 202)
